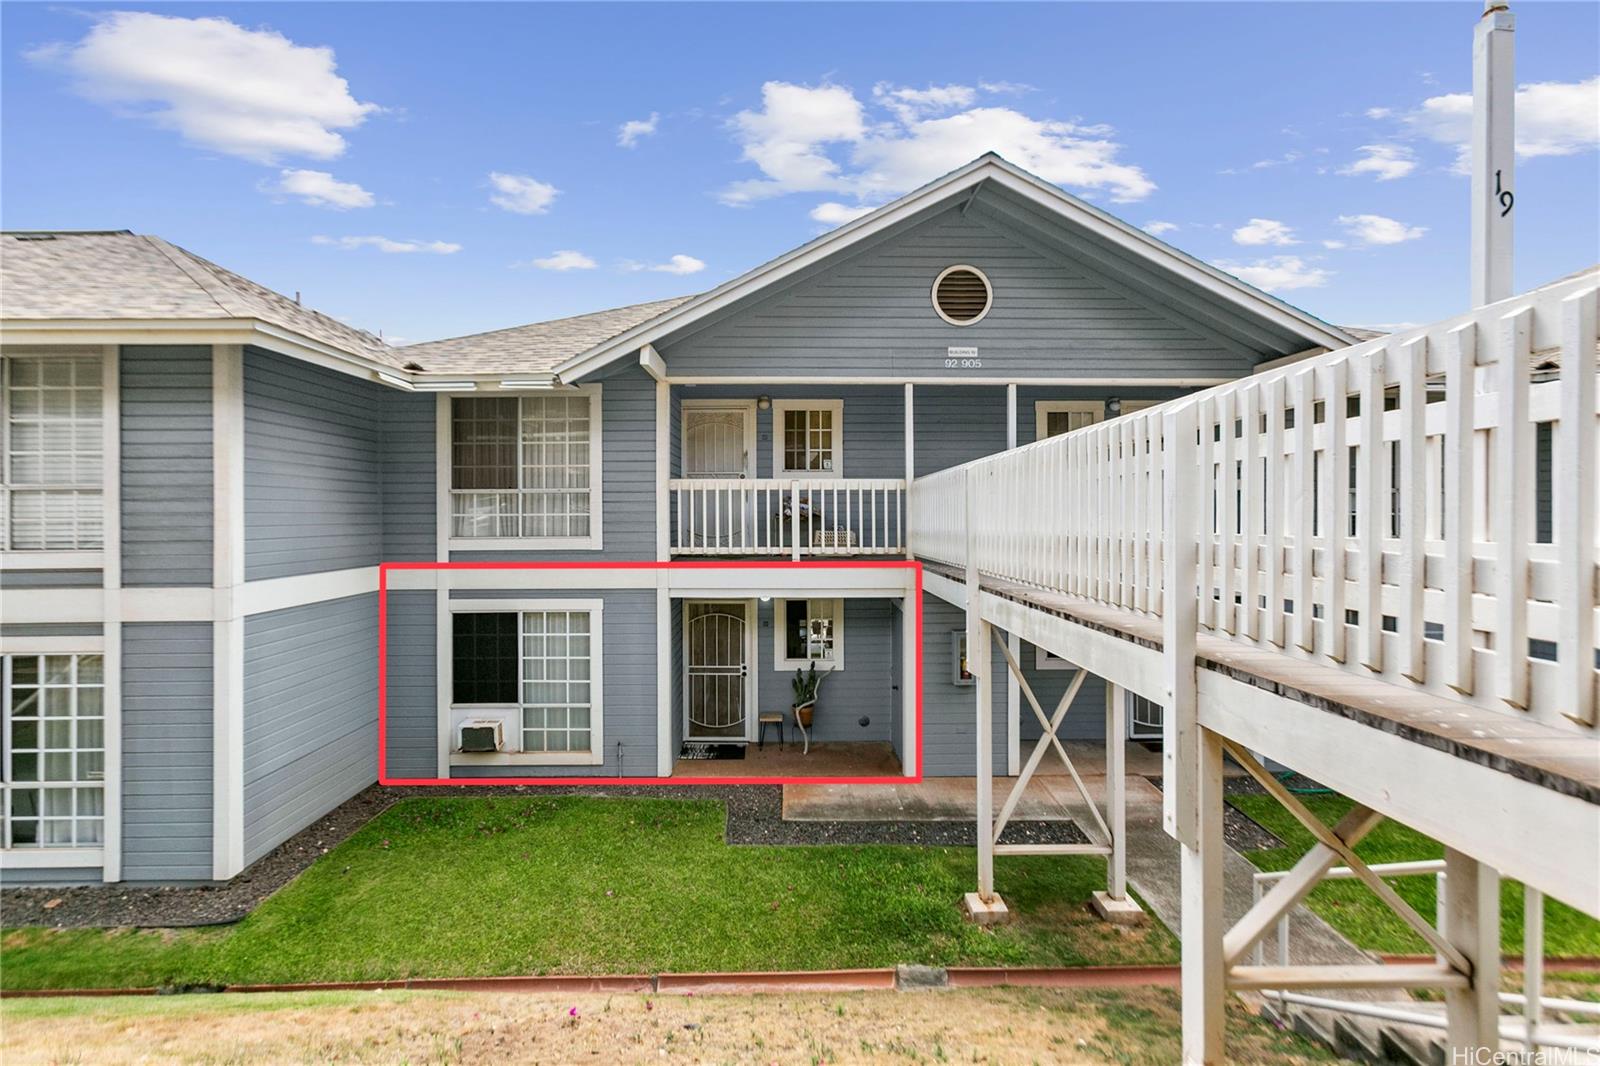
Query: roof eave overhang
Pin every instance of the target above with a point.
(986, 169)
(192, 331)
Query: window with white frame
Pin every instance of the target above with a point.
(53, 790)
(808, 631)
(1055, 417)
(52, 473)
(525, 468)
(808, 438)
(960, 668)
(539, 665)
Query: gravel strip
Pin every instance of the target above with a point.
(755, 816)
(1239, 830)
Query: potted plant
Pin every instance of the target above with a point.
(806, 684)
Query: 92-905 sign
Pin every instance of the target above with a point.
(962, 359)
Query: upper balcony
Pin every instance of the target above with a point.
(788, 516)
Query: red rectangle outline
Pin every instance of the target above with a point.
(818, 564)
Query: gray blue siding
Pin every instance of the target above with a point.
(862, 689)
(1086, 720)
(166, 762)
(166, 431)
(870, 312)
(310, 715)
(51, 579)
(410, 497)
(949, 711)
(412, 715)
(312, 479)
(69, 876)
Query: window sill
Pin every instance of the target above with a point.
(524, 544)
(62, 560)
(51, 858)
(824, 666)
(526, 758)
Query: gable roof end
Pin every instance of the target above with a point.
(987, 168)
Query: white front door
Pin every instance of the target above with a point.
(716, 668)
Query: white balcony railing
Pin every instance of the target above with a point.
(1372, 509)
(784, 516)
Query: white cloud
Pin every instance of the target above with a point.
(320, 189)
(1260, 231)
(1553, 118)
(254, 94)
(822, 139)
(1267, 164)
(564, 260)
(629, 133)
(388, 246)
(911, 104)
(1376, 229)
(1379, 112)
(521, 194)
(1278, 273)
(1006, 88)
(1156, 227)
(1386, 162)
(678, 264)
(1333, 244)
(830, 213)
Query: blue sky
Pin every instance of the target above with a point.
(424, 169)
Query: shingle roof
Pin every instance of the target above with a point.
(122, 275)
(537, 347)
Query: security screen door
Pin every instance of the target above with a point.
(716, 671)
(717, 445)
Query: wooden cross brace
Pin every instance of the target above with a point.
(1336, 843)
(1047, 740)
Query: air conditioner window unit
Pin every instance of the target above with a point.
(481, 735)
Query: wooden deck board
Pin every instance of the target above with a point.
(1528, 750)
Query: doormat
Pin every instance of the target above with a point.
(712, 751)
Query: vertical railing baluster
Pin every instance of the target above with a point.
(1305, 505)
(1249, 440)
(1460, 503)
(1272, 512)
(1371, 514)
(1575, 508)
(1513, 510)
(1411, 579)
(1336, 505)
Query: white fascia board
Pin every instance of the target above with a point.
(36, 606)
(984, 169)
(819, 582)
(211, 331)
(1217, 282)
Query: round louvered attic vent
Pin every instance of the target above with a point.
(961, 295)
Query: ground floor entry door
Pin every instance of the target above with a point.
(716, 659)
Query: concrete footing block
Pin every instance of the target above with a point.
(1118, 911)
(985, 912)
(912, 978)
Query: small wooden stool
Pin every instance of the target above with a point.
(764, 719)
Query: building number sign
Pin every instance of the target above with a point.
(962, 359)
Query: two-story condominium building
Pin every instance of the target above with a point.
(201, 478)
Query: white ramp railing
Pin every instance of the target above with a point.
(1419, 507)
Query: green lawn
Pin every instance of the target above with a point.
(518, 885)
(1350, 906)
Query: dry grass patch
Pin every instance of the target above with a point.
(985, 1026)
